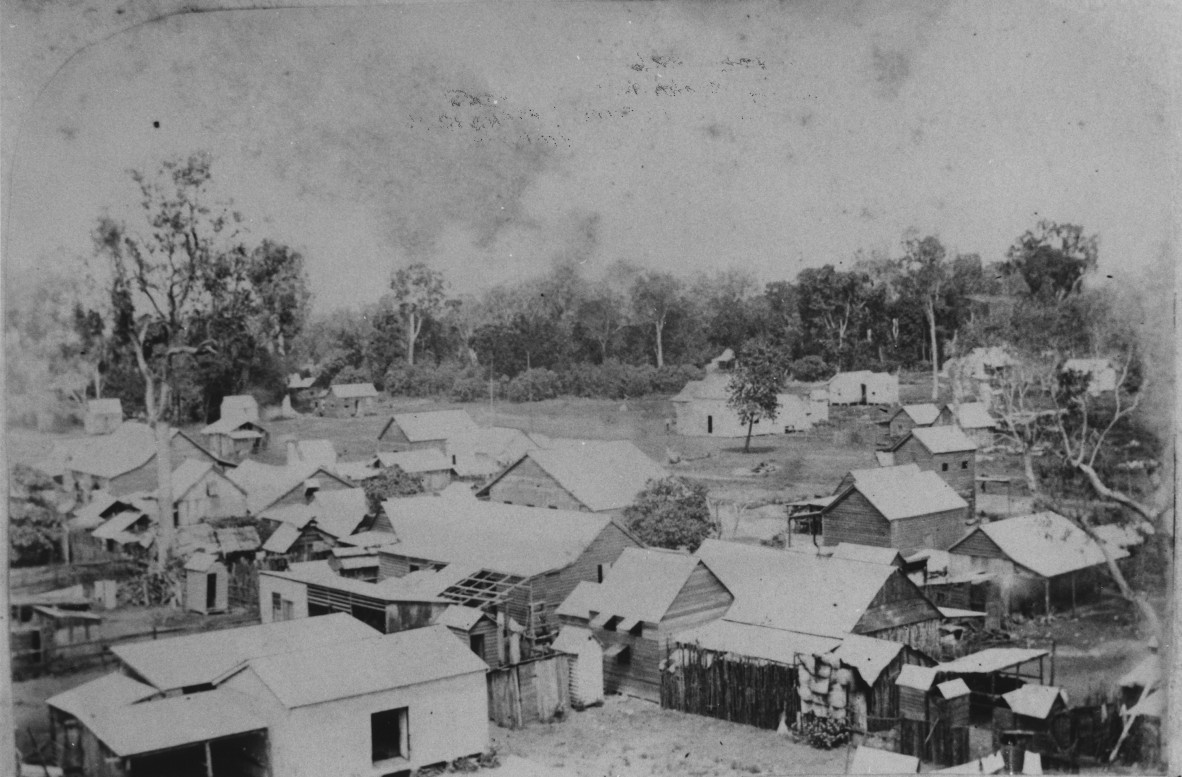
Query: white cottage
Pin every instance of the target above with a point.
(864, 388)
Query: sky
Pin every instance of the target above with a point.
(491, 139)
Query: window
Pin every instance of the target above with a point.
(476, 642)
(612, 622)
(601, 569)
(964, 464)
(276, 607)
(944, 467)
(388, 735)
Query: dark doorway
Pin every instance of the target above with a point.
(211, 591)
(863, 393)
(709, 424)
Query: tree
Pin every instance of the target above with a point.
(671, 513)
(832, 307)
(924, 279)
(390, 483)
(755, 384)
(655, 296)
(1053, 259)
(419, 292)
(600, 317)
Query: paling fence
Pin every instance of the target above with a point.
(730, 688)
(534, 690)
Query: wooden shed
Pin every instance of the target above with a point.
(593, 476)
(975, 421)
(234, 437)
(864, 388)
(206, 584)
(908, 417)
(239, 406)
(895, 507)
(646, 598)
(349, 400)
(934, 715)
(586, 664)
(430, 465)
(103, 416)
(948, 452)
(475, 628)
(412, 431)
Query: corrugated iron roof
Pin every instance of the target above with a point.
(91, 699)
(870, 760)
(768, 583)
(1045, 543)
(282, 539)
(414, 462)
(974, 415)
(432, 425)
(868, 554)
(505, 538)
(118, 523)
(353, 390)
(992, 660)
(265, 484)
(366, 666)
(918, 677)
(869, 656)
(577, 603)
(601, 475)
(196, 659)
(460, 617)
(942, 439)
(744, 639)
(899, 492)
(952, 689)
(162, 724)
(1034, 701)
(499, 444)
(338, 513)
(922, 415)
(642, 584)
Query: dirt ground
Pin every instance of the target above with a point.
(628, 736)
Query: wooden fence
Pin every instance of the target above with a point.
(535, 690)
(243, 584)
(735, 689)
(935, 742)
(35, 580)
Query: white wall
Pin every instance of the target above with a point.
(447, 719)
(294, 591)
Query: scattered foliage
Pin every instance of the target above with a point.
(671, 513)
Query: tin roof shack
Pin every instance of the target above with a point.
(703, 409)
(475, 628)
(103, 416)
(595, 477)
(1040, 562)
(431, 466)
(124, 462)
(269, 486)
(1031, 709)
(993, 672)
(207, 584)
(309, 530)
(349, 400)
(909, 417)
(412, 431)
(948, 452)
(974, 420)
(234, 437)
(647, 597)
(864, 388)
(194, 662)
(387, 704)
(821, 596)
(530, 559)
(934, 716)
(201, 493)
(478, 454)
(898, 507)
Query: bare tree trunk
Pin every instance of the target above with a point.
(165, 532)
(660, 325)
(1028, 469)
(931, 311)
(750, 424)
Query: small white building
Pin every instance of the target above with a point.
(974, 420)
(703, 409)
(240, 407)
(103, 416)
(864, 388)
(206, 584)
(348, 400)
(1101, 374)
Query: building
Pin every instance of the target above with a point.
(703, 409)
(1102, 376)
(475, 628)
(409, 431)
(646, 598)
(236, 436)
(311, 453)
(103, 416)
(478, 454)
(524, 560)
(948, 452)
(207, 584)
(269, 486)
(200, 492)
(124, 461)
(1040, 562)
(239, 406)
(430, 465)
(898, 507)
(974, 420)
(908, 417)
(349, 400)
(592, 476)
(308, 530)
(864, 388)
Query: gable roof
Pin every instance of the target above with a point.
(352, 390)
(503, 445)
(365, 666)
(460, 617)
(868, 655)
(1045, 543)
(922, 415)
(601, 475)
(974, 415)
(414, 462)
(97, 696)
(266, 484)
(1034, 701)
(338, 513)
(163, 724)
(191, 472)
(578, 601)
(104, 406)
(897, 493)
(232, 423)
(116, 526)
(869, 554)
(196, 659)
(499, 537)
(431, 425)
(768, 583)
(642, 584)
(939, 439)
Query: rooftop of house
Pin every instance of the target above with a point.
(641, 585)
(338, 513)
(903, 492)
(974, 415)
(939, 439)
(922, 415)
(1045, 543)
(601, 475)
(1034, 701)
(129, 447)
(431, 425)
(352, 390)
(265, 483)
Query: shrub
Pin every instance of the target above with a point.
(825, 733)
(469, 389)
(671, 379)
(421, 380)
(533, 385)
(811, 368)
(671, 513)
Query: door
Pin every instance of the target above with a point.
(211, 591)
(709, 424)
(863, 393)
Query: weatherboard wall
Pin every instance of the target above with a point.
(852, 518)
(526, 483)
(958, 469)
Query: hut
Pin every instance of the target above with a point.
(206, 584)
(526, 559)
(934, 715)
(974, 420)
(269, 486)
(908, 417)
(200, 492)
(703, 410)
(475, 628)
(411, 431)
(898, 507)
(948, 452)
(429, 465)
(234, 437)
(103, 416)
(1031, 708)
(594, 477)
(647, 597)
(240, 406)
(864, 388)
(586, 661)
(308, 530)
(349, 400)
(1040, 562)
(478, 454)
